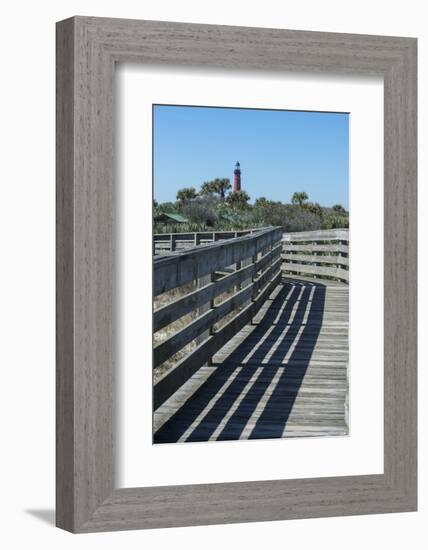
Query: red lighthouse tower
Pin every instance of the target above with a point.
(237, 178)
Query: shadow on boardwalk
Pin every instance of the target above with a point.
(251, 393)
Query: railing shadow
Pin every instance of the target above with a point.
(251, 395)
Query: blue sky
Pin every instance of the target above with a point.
(280, 151)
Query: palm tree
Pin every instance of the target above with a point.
(186, 194)
(339, 209)
(299, 198)
(238, 199)
(261, 202)
(219, 185)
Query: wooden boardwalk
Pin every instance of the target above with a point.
(282, 375)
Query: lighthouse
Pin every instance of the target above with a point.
(237, 178)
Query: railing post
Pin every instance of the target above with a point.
(238, 266)
(211, 330)
(173, 272)
(254, 277)
(203, 281)
(172, 243)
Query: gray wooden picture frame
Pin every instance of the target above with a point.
(87, 50)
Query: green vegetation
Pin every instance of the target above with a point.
(217, 186)
(211, 208)
(238, 200)
(186, 194)
(299, 198)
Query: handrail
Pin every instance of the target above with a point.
(257, 261)
(184, 305)
(323, 254)
(165, 243)
(181, 268)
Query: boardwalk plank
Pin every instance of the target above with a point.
(283, 375)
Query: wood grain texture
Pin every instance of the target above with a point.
(182, 241)
(65, 277)
(285, 375)
(87, 49)
(172, 311)
(321, 259)
(305, 253)
(217, 256)
(258, 292)
(181, 268)
(189, 302)
(316, 270)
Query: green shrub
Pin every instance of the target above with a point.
(201, 210)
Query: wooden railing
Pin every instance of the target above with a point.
(256, 259)
(165, 243)
(323, 254)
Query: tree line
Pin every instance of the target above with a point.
(214, 206)
(218, 187)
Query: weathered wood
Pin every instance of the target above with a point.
(315, 258)
(265, 276)
(270, 256)
(182, 306)
(183, 241)
(316, 252)
(180, 268)
(262, 276)
(297, 372)
(315, 247)
(265, 293)
(268, 274)
(207, 318)
(317, 270)
(203, 323)
(202, 281)
(319, 235)
(89, 49)
(184, 369)
(65, 276)
(189, 302)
